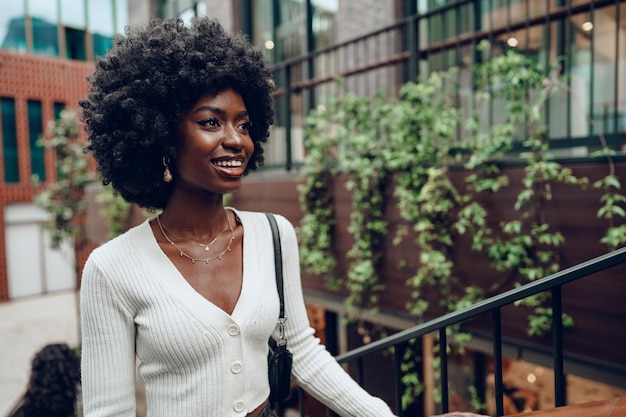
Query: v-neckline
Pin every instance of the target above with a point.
(172, 278)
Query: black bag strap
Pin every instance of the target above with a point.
(278, 267)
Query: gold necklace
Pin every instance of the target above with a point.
(193, 260)
(207, 246)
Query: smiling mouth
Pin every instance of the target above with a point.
(230, 167)
(228, 163)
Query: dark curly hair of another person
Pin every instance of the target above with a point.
(140, 90)
(54, 382)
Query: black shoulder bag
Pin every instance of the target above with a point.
(279, 358)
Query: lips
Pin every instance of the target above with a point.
(228, 163)
(231, 166)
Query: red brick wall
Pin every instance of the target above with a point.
(48, 80)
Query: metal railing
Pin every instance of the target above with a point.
(493, 305)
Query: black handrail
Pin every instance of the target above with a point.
(557, 279)
(493, 305)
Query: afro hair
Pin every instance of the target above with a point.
(54, 383)
(141, 88)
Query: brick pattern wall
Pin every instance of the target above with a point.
(48, 80)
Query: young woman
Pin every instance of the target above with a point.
(176, 117)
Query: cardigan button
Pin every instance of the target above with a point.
(233, 330)
(236, 367)
(239, 406)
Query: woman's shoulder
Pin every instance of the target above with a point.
(19, 412)
(124, 242)
(260, 217)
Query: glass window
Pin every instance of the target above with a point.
(168, 9)
(12, 26)
(75, 44)
(73, 13)
(263, 27)
(603, 28)
(422, 6)
(74, 23)
(57, 109)
(121, 15)
(45, 21)
(101, 44)
(35, 130)
(538, 7)
(101, 25)
(9, 140)
(187, 15)
(621, 68)
(465, 19)
(201, 9)
(581, 63)
(291, 29)
(324, 12)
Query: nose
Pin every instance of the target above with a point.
(232, 138)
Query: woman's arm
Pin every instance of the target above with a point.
(313, 367)
(108, 348)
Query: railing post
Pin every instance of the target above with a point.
(498, 389)
(285, 79)
(398, 353)
(413, 48)
(557, 346)
(331, 413)
(301, 402)
(359, 365)
(494, 304)
(443, 357)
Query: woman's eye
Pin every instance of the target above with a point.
(245, 126)
(210, 122)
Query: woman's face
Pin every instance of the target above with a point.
(214, 144)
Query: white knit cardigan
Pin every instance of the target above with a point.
(195, 359)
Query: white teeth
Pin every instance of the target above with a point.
(230, 163)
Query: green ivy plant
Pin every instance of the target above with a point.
(346, 136)
(417, 142)
(426, 151)
(612, 201)
(361, 158)
(527, 248)
(612, 207)
(65, 198)
(115, 211)
(316, 228)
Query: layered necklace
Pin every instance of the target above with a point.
(207, 247)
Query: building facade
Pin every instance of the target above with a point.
(377, 46)
(373, 46)
(46, 52)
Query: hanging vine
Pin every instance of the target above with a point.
(315, 232)
(527, 246)
(363, 161)
(444, 165)
(346, 136)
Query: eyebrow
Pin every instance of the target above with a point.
(218, 110)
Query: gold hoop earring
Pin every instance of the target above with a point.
(167, 175)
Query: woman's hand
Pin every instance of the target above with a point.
(460, 414)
